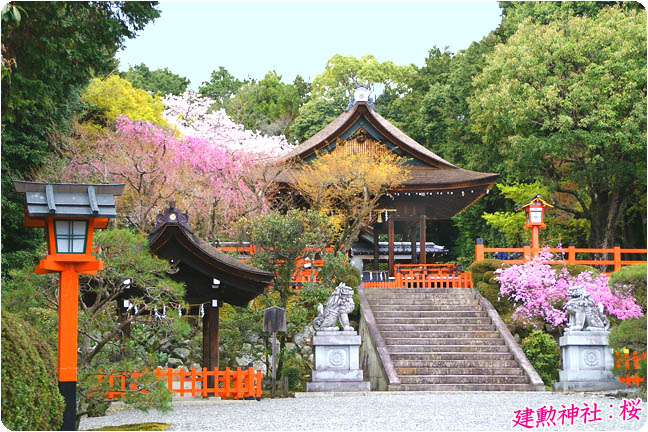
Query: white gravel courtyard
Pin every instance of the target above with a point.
(383, 411)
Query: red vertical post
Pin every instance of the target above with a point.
(526, 253)
(617, 257)
(68, 309)
(479, 249)
(535, 241)
(571, 254)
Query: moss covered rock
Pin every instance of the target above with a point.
(30, 396)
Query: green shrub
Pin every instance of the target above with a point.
(483, 277)
(543, 352)
(296, 369)
(30, 396)
(631, 335)
(336, 268)
(633, 278)
(575, 269)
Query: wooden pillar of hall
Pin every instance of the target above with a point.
(390, 235)
(210, 341)
(412, 236)
(423, 240)
(376, 249)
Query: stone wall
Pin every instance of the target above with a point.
(370, 361)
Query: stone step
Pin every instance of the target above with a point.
(424, 300)
(479, 334)
(409, 291)
(378, 309)
(475, 349)
(430, 314)
(445, 371)
(442, 341)
(449, 356)
(431, 321)
(463, 379)
(457, 364)
(419, 296)
(436, 327)
(465, 387)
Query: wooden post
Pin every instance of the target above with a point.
(274, 364)
(617, 257)
(535, 241)
(423, 259)
(479, 249)
(211, 337)
(571, 254)
(68, 308)
(376, 250)
(390, 224)
(412, 235)
(526, 253)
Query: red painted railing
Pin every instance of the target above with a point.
(226, 383)
(424, 276)
(569, 255)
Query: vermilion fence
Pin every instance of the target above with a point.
(424, 276)
(570, 254)
(225, 383)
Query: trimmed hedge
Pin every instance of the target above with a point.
(483, 278)
(634, 278)
(30, 396)
(543, 352)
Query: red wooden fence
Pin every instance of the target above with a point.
(424, 276)
(226, 383)
(569, 255)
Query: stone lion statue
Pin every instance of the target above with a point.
(584, 314)
(338, 307)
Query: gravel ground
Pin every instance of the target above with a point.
(378, 411)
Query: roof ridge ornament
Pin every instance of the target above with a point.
(172, 215)
(361, 93)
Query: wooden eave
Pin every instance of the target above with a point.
(199, 263)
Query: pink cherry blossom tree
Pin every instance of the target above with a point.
(539, 291)
(190, 114)
(214, 184)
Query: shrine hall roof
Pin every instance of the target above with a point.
(430, 171)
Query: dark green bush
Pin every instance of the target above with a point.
(336, 268)
(631, 278)
(296, 369)
(575, 269)
(631, 335)
(30, 396)
(543, 352)
(483, 277)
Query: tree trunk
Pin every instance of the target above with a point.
(605, 211)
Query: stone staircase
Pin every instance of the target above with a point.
(444, 340)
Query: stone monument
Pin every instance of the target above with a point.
(586, 359)
(337, 356)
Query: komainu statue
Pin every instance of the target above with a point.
(584, 314)
(338, 306)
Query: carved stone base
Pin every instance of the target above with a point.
(337, 363)
(587, 362)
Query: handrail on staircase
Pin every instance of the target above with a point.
(377, 339)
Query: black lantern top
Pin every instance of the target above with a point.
(69, 199)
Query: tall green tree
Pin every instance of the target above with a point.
(566, 102)
(57, 47)
(222, 86)
(159, 82)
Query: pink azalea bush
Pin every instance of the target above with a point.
(539, 291)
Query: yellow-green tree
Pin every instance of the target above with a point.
(113, 96)
(346, 185)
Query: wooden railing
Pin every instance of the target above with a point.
(424, 276)
(225, 383)
(569, 254)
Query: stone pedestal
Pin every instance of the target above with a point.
(587, 362)
(337, 363)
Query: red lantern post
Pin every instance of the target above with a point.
(534, 209)
(69, 213)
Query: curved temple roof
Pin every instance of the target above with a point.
(428, 171)
(198, 263)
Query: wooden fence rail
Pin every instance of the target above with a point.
(424, 276)
(226, 383)
(569, 254)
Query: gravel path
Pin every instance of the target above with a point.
(378, 411)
